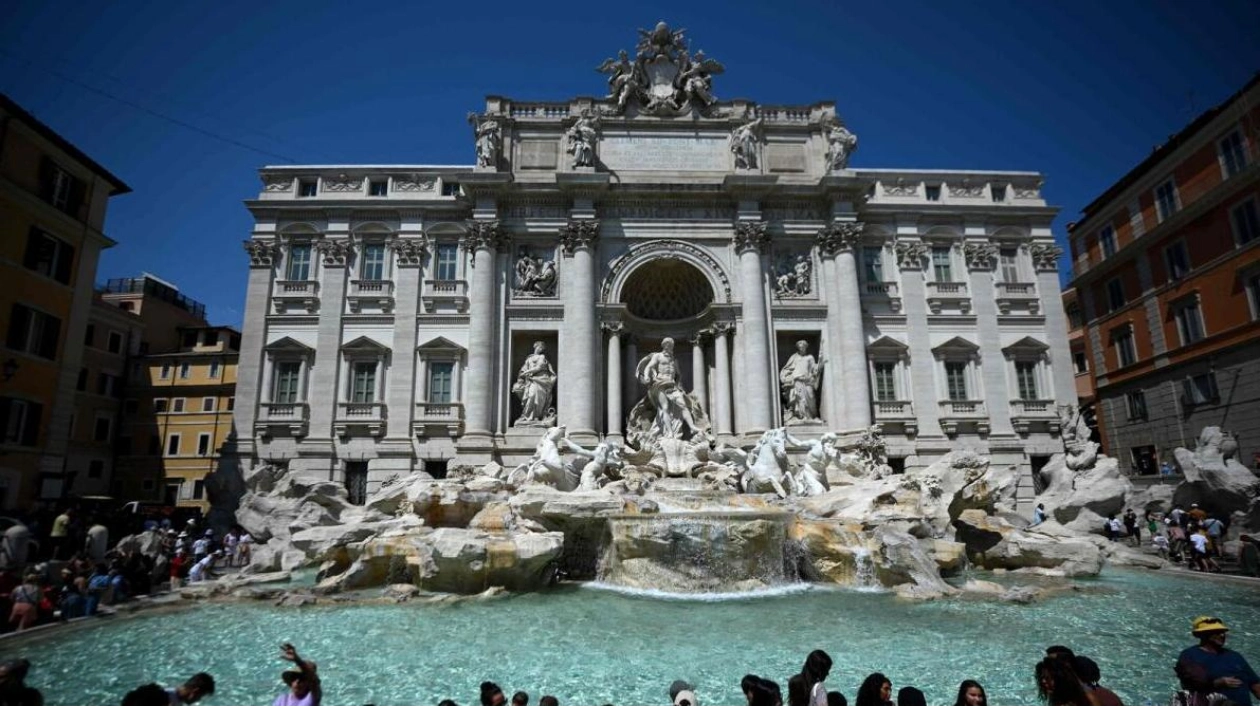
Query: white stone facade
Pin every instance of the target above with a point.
(387, 316)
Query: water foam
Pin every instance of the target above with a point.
(779, 590)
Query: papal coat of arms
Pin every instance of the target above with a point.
(663, 79)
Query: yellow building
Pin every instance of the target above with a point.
(177, 415)
(53, 199)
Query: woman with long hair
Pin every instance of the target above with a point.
(1058, 684)
(971, 693)
(806, 687)
(875, 690)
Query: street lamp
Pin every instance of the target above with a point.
(9, 369)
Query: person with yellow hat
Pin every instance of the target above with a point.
(1210, 667)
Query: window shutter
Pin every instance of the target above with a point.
(51, 332)
(30, 430)
(34, 242)
(65, 264)
(5, 404)
(78, 190)
(47, 178)
(19, 327)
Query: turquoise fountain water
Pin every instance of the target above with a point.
(596, 646)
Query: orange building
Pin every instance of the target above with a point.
(53, 200)
(1167, 269)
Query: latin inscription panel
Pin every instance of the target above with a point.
(681, 153)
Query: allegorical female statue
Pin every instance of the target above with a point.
(799, 379)
(534, 385)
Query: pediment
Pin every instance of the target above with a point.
(288, 345)
(1026, 345)
(364, 344)
(887, 345)
(440, 344)
(956, 345)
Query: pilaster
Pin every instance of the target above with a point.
(410, 250)
(250, 381)
(911, 257)
(981, 258)
(750, 244)
(839, 241)
(335, 255)
(481, 242)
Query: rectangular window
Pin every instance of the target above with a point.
(1251, 282)
(1233, 154)
(999, 193)
(172, 445)
(933, 192)
(1246, 220)
(165, 372)
(440, 377)
(956, 380)
(81, 384)
(199, 489)
(207, 404)
(941, 266)
(1008, 260)
(1201, 389)
(450, 188)
(1126, 352)
(89, 335)
(214, 369)
(160, 404)
(1178, 260)
(373, 262)
(356, 482)
(378, 187)
(210, 338)
(231, 404)
(1081, 362)
(190, 339)
(33, 331)
(1075, 321)
(1189, 321)
(363, 382)
(155, 446)
(873, 264)
(1107, 241)
(185, 370)
(1166, 200)
(59, 188)
(102, 428)
(115, 342)
(287, 380)
(1026, 378)
(885, 381)
(203, 444)
(1135, 404)
(307, 187)
(19, 422)
(1115, 294)
(447, 255)
(131, 406)
(96, 469)
(106, 384)
(177, 404)
(299, 262)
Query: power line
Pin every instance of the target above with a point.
(143, 109)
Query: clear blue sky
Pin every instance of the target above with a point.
(1080, 91)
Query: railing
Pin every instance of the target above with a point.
(1009, 289)
(439, 412)
(882, 289)
(893, 409)
(446, 287)
(539, 110)
(962, 408)
(947, 288)
(361, 411)
(285, 411)
(296, 287)
(372, 288)
(1033, 408)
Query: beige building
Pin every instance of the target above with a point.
(53, 200)
(178, 413)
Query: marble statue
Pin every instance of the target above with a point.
(603, 457)
(841, 144)
(535, 277)
(743, 143)
(674, 413)
(799, 378)
(489, 140)
(624, 80)
(534, 385)
(581, 140)
(546, 466)
(695, 83)
(810, 478)
(793, 277)
(1080, 451)
(767, 464)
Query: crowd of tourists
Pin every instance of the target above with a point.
(75, 572)
(1208, 672)
(1194, 537)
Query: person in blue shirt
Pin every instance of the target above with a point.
(1039, 514)
(1210, 667)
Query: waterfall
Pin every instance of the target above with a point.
(864, 571)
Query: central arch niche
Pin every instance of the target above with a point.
(667, 289)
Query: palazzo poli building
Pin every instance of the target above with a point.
(408, 318)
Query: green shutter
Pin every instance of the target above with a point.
(19, 327)
(65, 263)
(51, 333)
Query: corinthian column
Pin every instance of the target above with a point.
(614, 378)
(722, 363)
(750, 242)
(839, 241)
(578, 346)
(699, 373)
(480, 242)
